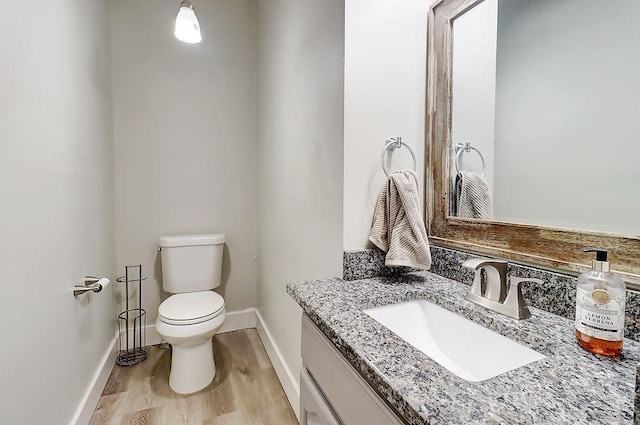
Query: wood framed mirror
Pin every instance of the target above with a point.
(541, 245)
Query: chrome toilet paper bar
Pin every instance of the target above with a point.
(91, 284)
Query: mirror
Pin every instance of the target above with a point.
(549, 107)
(541, 97)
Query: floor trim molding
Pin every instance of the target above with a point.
(96, 386)
(286, 377)
(240, 319)
(234, 321)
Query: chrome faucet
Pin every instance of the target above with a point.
(497, 295)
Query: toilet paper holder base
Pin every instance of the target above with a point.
(91, 284)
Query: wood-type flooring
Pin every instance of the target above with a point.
(245, 391)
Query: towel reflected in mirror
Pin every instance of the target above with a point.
(472, 198)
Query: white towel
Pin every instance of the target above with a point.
(472, 196)
(398, 225)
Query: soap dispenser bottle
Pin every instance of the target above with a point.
(600, 302)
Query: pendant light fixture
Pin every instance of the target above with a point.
(187, 25)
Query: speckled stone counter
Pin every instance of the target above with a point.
(557, 293)
(569, 386)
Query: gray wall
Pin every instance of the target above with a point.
(474, 88)
(568, 99)
(300, 128)
(185, 138)
(56, 187)
(384, 96)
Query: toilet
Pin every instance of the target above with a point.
(188, 319)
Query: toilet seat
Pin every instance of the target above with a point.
(191, 308)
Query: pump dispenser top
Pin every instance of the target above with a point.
(600, 263)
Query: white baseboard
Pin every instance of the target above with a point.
(153, 337)
(241, 319)
(234, 321)
(94, 391)
(286, 377)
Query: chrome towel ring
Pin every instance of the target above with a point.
(465, 148)
(396, 143)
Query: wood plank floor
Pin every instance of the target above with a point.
(245, 391)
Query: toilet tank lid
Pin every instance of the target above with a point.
(190, 240)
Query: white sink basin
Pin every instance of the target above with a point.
(466, 349)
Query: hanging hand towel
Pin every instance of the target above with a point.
(398, 226)
(472, 196)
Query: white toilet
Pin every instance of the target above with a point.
(191, 268)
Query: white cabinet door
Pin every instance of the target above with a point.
(314, 410)
(345, 391)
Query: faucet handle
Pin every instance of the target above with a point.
(518, 280)
(515, 300)
(496, 270)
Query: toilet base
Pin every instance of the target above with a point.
(192, 367)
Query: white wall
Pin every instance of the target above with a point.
(300, 124)
(474, 88)
(56, 173)
(384, 96)
(566, 114)
(185, 138)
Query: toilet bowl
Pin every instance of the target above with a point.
(188, 322)
(188, 319)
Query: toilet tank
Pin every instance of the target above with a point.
(191, 263)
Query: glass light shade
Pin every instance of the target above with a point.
(187, 26)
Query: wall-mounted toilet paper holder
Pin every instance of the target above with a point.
(91, 284)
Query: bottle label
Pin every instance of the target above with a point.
(600, 315)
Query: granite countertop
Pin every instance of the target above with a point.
(569, 386)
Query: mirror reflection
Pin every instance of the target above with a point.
(546, 114)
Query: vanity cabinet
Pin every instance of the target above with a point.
(314, 409)
(331, 391)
